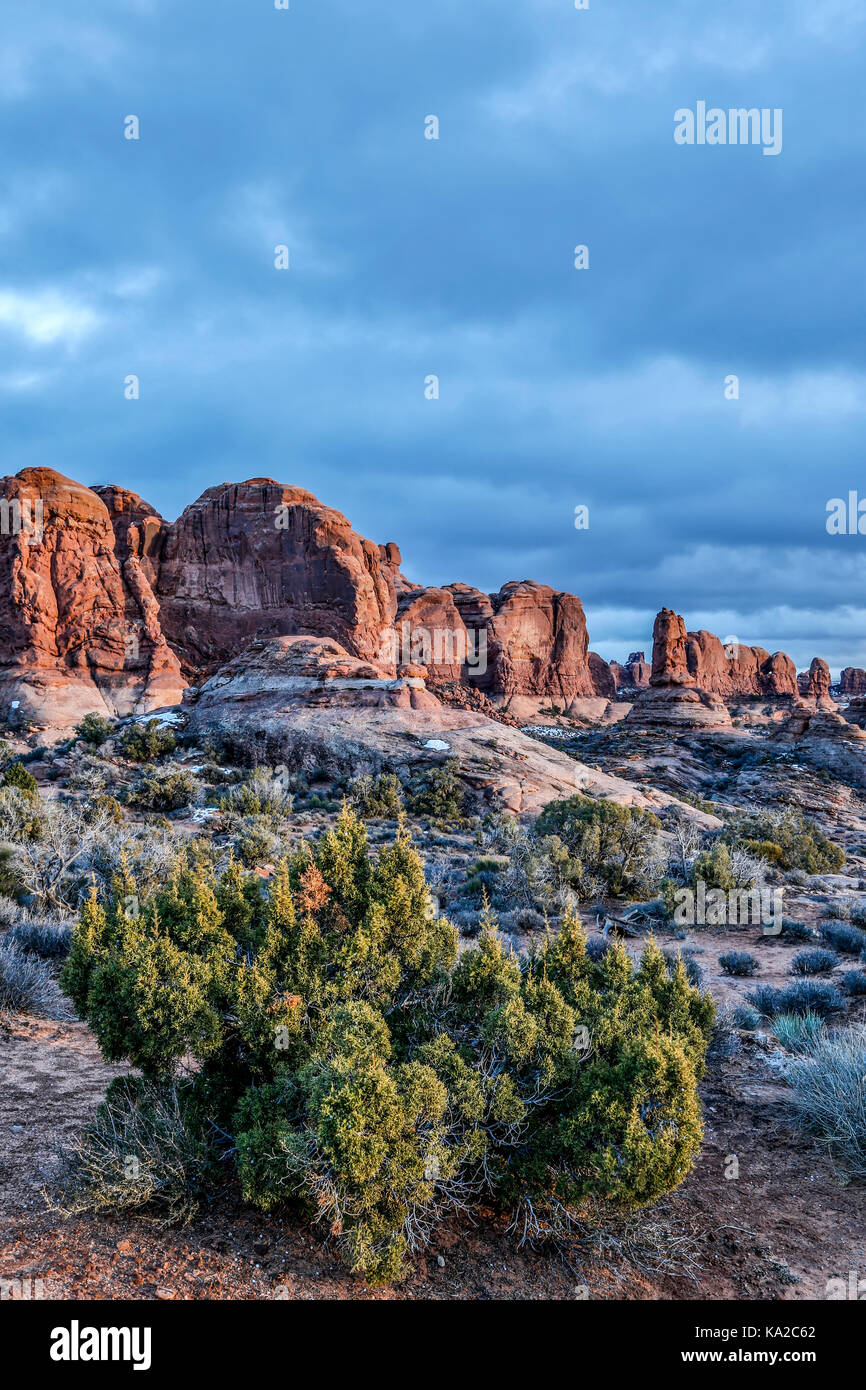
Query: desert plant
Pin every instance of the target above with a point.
(106, 807)
(358, 1065)
(792, 930)
(263, 794)
(806, 996)
(830, 1098)
(53, 845)
(170, 791)
(797, 1032)
(715, 869)
(693, 969)
(145, 742)
(744, 1016)
(615, 847)
(138, 1154)
(94, 729)
(787, 839)
(16, 775)
(255, 843)
(850, 940)
(739, 963)
(854, 982)
(840, 909)
(26, 983)
(438, 793)
(378, 798)
(43, 938)
(817, 962)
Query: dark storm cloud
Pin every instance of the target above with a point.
(454, 257)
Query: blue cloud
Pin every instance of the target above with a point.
(454, 257)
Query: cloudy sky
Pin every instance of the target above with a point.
(412, 257)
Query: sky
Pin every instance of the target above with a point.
(412, 258)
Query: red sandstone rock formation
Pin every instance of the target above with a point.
(96, 612)
(634, 675)
(79, 628)
(430, 631)
(670, 664)
(527, 639)
(814, 685)
(603, 679)
(257, 559)
(738, 670)
(673, 698)
(852, 681)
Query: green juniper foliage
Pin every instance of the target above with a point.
(16, 775)
(602, 840)
(367, 1075)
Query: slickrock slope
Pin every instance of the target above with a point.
(258, 559)
(673, 698)
(79, 629)
(825, 739)
(312, 702)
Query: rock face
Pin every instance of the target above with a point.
(79, 624)
(814, 685)
(430, 632)
(728, 671)
(526, 640)
(538, 643)
(603, 679)
(105, 606)
(256, 559)
(852, 681)
(738, 670)
(670, 665)
(823, 738)
(673, 699)
(634, 675)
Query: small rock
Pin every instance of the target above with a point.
(165, 1294)
(440, 1260)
